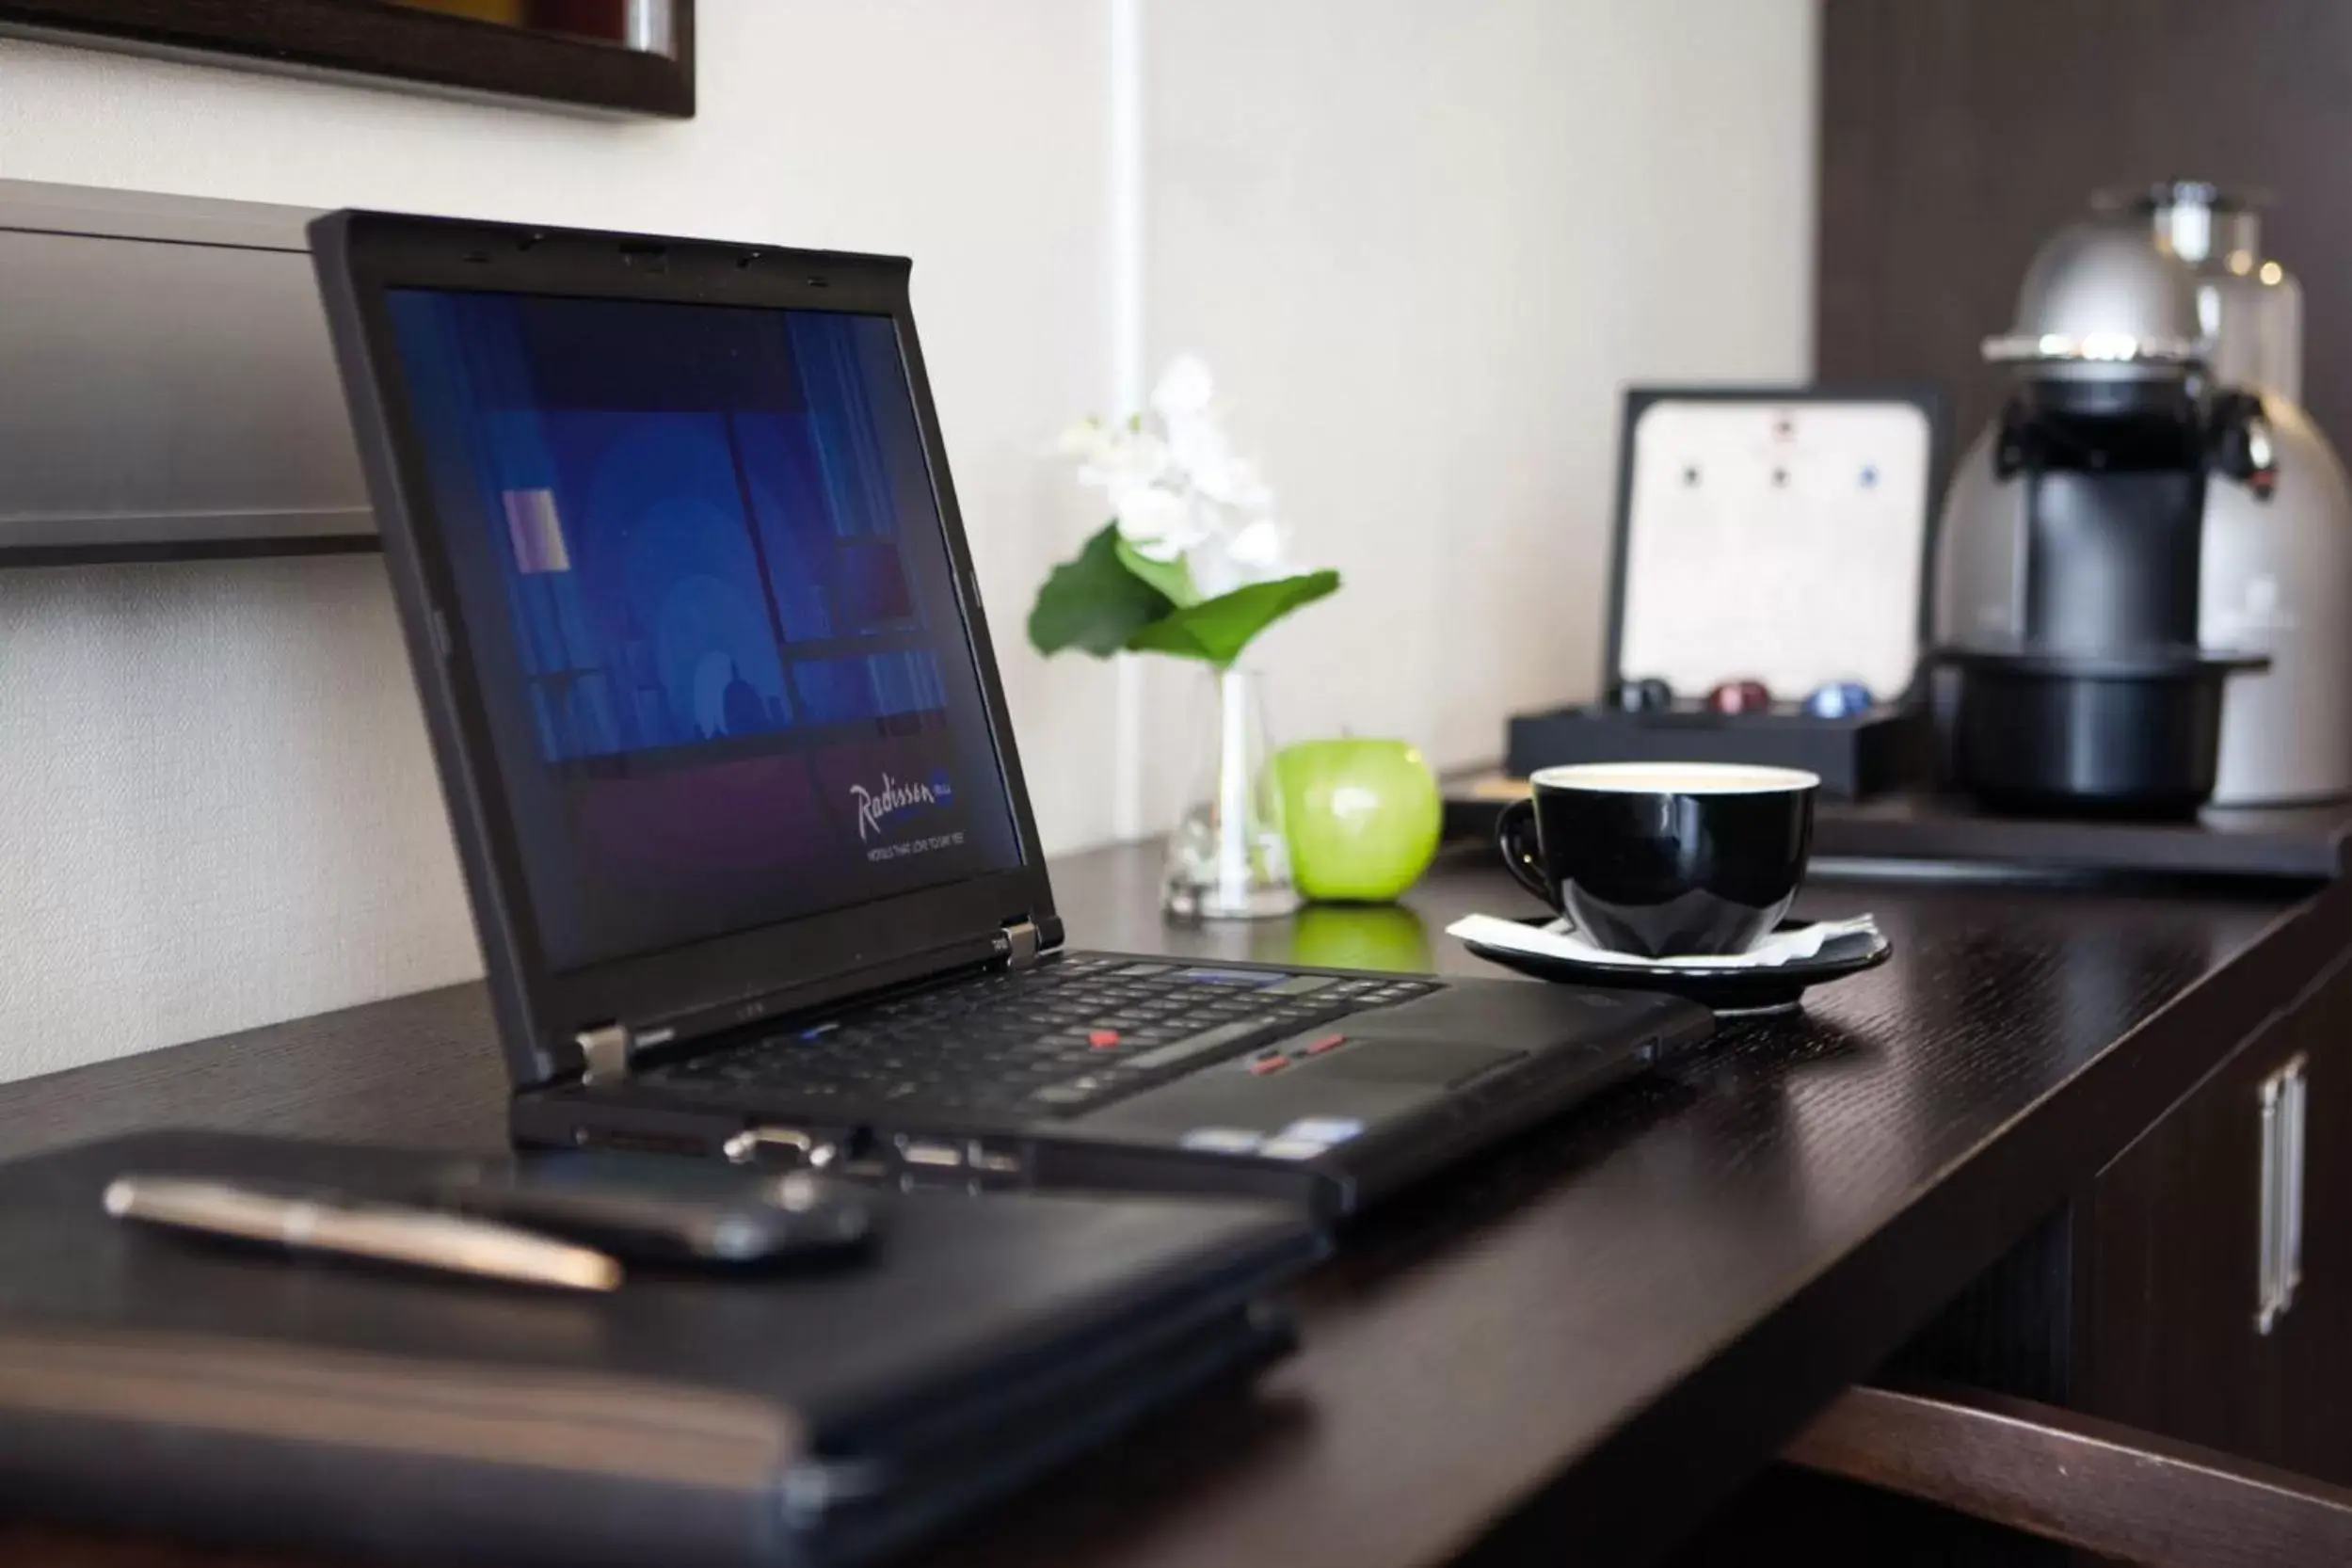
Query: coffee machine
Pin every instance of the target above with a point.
(2194, 643)
(2083, 685)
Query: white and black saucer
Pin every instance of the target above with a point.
(1735, 990)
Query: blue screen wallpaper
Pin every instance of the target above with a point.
(704, 581)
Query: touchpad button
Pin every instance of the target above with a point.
(1441, 1063)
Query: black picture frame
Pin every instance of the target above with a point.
(364, 40)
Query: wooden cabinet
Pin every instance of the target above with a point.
(2315, 1334)
(2141, 1302)
(2169, 1332)
(2166, 1333)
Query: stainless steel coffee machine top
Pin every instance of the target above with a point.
(2100, 303)
(2090, 689)
(2172, 285)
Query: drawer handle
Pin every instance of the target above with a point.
(2278, 1263)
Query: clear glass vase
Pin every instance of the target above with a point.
(1228, 858)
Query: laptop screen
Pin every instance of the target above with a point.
(706, 589)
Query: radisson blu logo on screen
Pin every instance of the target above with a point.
(892, 798)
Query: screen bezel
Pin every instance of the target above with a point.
(745, 974)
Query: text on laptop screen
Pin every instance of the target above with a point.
(707, 592)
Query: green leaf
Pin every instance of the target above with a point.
(1093, 603)
(1174, 579)
(1217, 630)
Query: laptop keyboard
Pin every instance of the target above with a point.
(1061, 1038)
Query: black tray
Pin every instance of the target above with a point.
(1866, 755)
(2298, 843)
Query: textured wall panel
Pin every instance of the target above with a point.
(217, 806)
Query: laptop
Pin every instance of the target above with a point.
(704, 664)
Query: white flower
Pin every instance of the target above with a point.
(1198, 445)
(1184, 389)
(1086, 440)
(1157, 522)
(1125, 462)
(1213, 569)
(1222, 561)
(1179, 493)
(1262, 549)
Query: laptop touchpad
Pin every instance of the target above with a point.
(1441, 1063)
(1532, 1017)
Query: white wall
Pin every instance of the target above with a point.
(1425, 246)
(1423, 243)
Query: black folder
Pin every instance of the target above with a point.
(161, 1381)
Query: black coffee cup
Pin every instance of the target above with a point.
(1663, 859)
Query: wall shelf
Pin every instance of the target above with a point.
(168, 390)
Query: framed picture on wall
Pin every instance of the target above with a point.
(622, 57)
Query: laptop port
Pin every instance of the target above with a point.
(994, 1161)
(624, 1141)
(764, 1144)
(930, 1151)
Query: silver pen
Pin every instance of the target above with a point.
(387, 1233)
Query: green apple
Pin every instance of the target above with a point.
(1363, 817)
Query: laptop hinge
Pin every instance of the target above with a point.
(605, 1051)
(1019, 943)
(608, 1051)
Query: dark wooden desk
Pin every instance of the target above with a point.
(1577, 1344)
